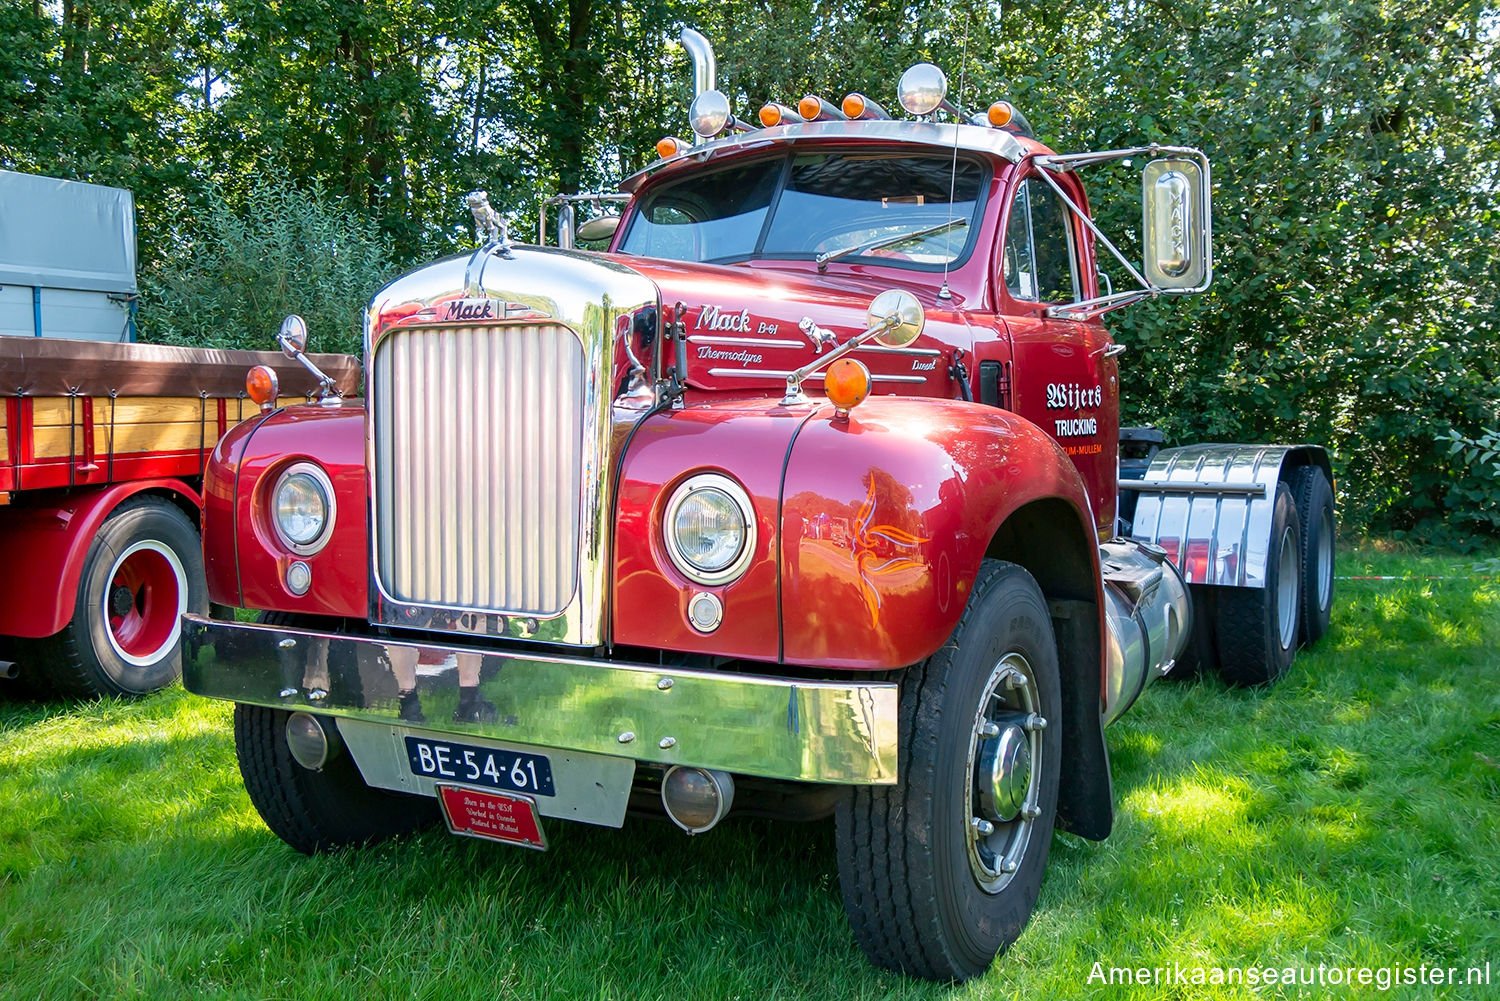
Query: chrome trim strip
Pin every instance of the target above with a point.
(771, 373)
(746, 342)
(535, 286)
(814, 731)
(1168, 487)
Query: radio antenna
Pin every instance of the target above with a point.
(963, 69)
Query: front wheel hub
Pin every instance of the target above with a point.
(1004, 773)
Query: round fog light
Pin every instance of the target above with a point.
(312, 742)
(696, 798)
(705, 612)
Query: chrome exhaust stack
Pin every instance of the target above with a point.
(1149, 616)
(702, 53)
(7, 670)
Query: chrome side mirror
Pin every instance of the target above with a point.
(910, 318)
(1175, 226)
(293, 336)
(599, 228)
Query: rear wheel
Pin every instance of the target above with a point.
(1314, 498)
(310, 810)
(143, 570)
(940, 872)
(1255, 629)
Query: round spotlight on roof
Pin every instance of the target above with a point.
(709, 114)
(922, 89)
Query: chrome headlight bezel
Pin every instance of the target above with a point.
(324, 485)
(741, 500)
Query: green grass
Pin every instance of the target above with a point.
(1348, 816)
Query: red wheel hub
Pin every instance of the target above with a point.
(144, 601)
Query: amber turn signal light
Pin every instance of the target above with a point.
(669, 146)
(260, 386)
(810, 107)
(1000, 114)
(854, 105)
(847, 383)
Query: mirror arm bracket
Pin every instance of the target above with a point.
(794, 378)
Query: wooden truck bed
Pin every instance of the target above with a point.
(82, 413)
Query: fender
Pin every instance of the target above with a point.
(746, 440)
(887, 515)
(1210, 507)
(220, 564)
(330, 437)
(51, 542)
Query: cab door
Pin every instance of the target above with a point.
(1064, 380)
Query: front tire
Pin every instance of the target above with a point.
(940, 872)
(315, 811)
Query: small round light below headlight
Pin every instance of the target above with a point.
(710, 529)
(302, 508)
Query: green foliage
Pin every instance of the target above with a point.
(1345, 816)
(237, 270)
(1477, 471)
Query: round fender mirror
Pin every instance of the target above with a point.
(293, 336)
(599, 228)
(908, 312)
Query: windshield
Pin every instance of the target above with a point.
(816, 203)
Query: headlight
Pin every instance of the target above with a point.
(302, 508)
(710, 529)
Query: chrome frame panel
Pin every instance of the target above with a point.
(842, 731)
(1221, 497)
(583, 293)
(591, 788)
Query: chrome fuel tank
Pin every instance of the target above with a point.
(1148, 615)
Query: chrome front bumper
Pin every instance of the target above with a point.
(814, 731)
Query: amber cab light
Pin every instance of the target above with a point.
(260, 386)
(847, 383)
(1000, 114)
(773, 114)
(669, 146)
(810, 107)
(854, 105)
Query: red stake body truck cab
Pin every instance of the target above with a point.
(803, 498)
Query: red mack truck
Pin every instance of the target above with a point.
(804, 499)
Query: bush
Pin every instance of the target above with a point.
(234, 272)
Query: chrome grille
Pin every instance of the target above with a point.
(478, 458)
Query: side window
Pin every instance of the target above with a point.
(1039, 246)
(1020, 269)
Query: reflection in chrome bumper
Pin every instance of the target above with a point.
(815, 731)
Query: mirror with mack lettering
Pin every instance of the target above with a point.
(1174, 203)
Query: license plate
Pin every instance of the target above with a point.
(494, 816)
(483, 766)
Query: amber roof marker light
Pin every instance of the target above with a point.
(773, 114)
(815, 109)
(858, 107)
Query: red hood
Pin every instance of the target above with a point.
(745, 319)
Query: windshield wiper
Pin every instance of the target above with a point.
(886, 241)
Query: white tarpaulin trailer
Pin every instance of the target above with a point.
(67, 259)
